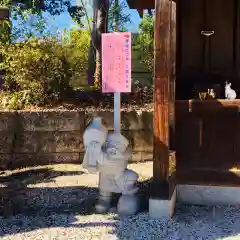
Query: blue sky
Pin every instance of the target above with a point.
(56, 24)
(64, 21)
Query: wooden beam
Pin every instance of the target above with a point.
(162, 68)
(141, 4)
(140, 12)
(172, 76)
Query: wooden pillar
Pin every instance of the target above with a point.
(162, 72)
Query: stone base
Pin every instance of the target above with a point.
(194, 194)
(128, 205)
(104, 201)
(162, 208)
(208, 195)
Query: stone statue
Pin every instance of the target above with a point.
(107, 154)
(229, 92)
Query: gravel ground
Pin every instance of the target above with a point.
(60, 206)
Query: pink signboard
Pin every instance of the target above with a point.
(116, 62)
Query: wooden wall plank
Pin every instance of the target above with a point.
(207, 135)
(220, 18)
(192, 23)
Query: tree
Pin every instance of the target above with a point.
(27, 25)
(28, 14)
(106, 16)
(4, 24)
(100, 16)
(144, 41)
(117, 15)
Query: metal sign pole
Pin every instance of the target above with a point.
(117, 112)
(117, 95)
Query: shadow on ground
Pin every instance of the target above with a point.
(19, 196)
(23, 178)
(26, 209)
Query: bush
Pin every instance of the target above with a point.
(40, 70)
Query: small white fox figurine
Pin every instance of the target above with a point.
(229, 92)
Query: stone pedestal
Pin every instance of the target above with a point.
(159, 208)
(208, 195)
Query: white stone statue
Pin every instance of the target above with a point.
(107, 154)
(229, 92)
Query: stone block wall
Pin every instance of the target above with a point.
(30, 138)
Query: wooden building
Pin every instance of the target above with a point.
(197, 47)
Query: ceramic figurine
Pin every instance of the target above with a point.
(107, 154)
(203, 95)
(211, 94)
(229, 92)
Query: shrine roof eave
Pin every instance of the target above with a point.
(141, 4)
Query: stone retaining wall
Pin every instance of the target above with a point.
(43, 137)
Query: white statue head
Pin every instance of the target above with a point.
(95, 132)
(228, 85)
(94, 138)
(118, 141)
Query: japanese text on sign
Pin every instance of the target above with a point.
(116, 62)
